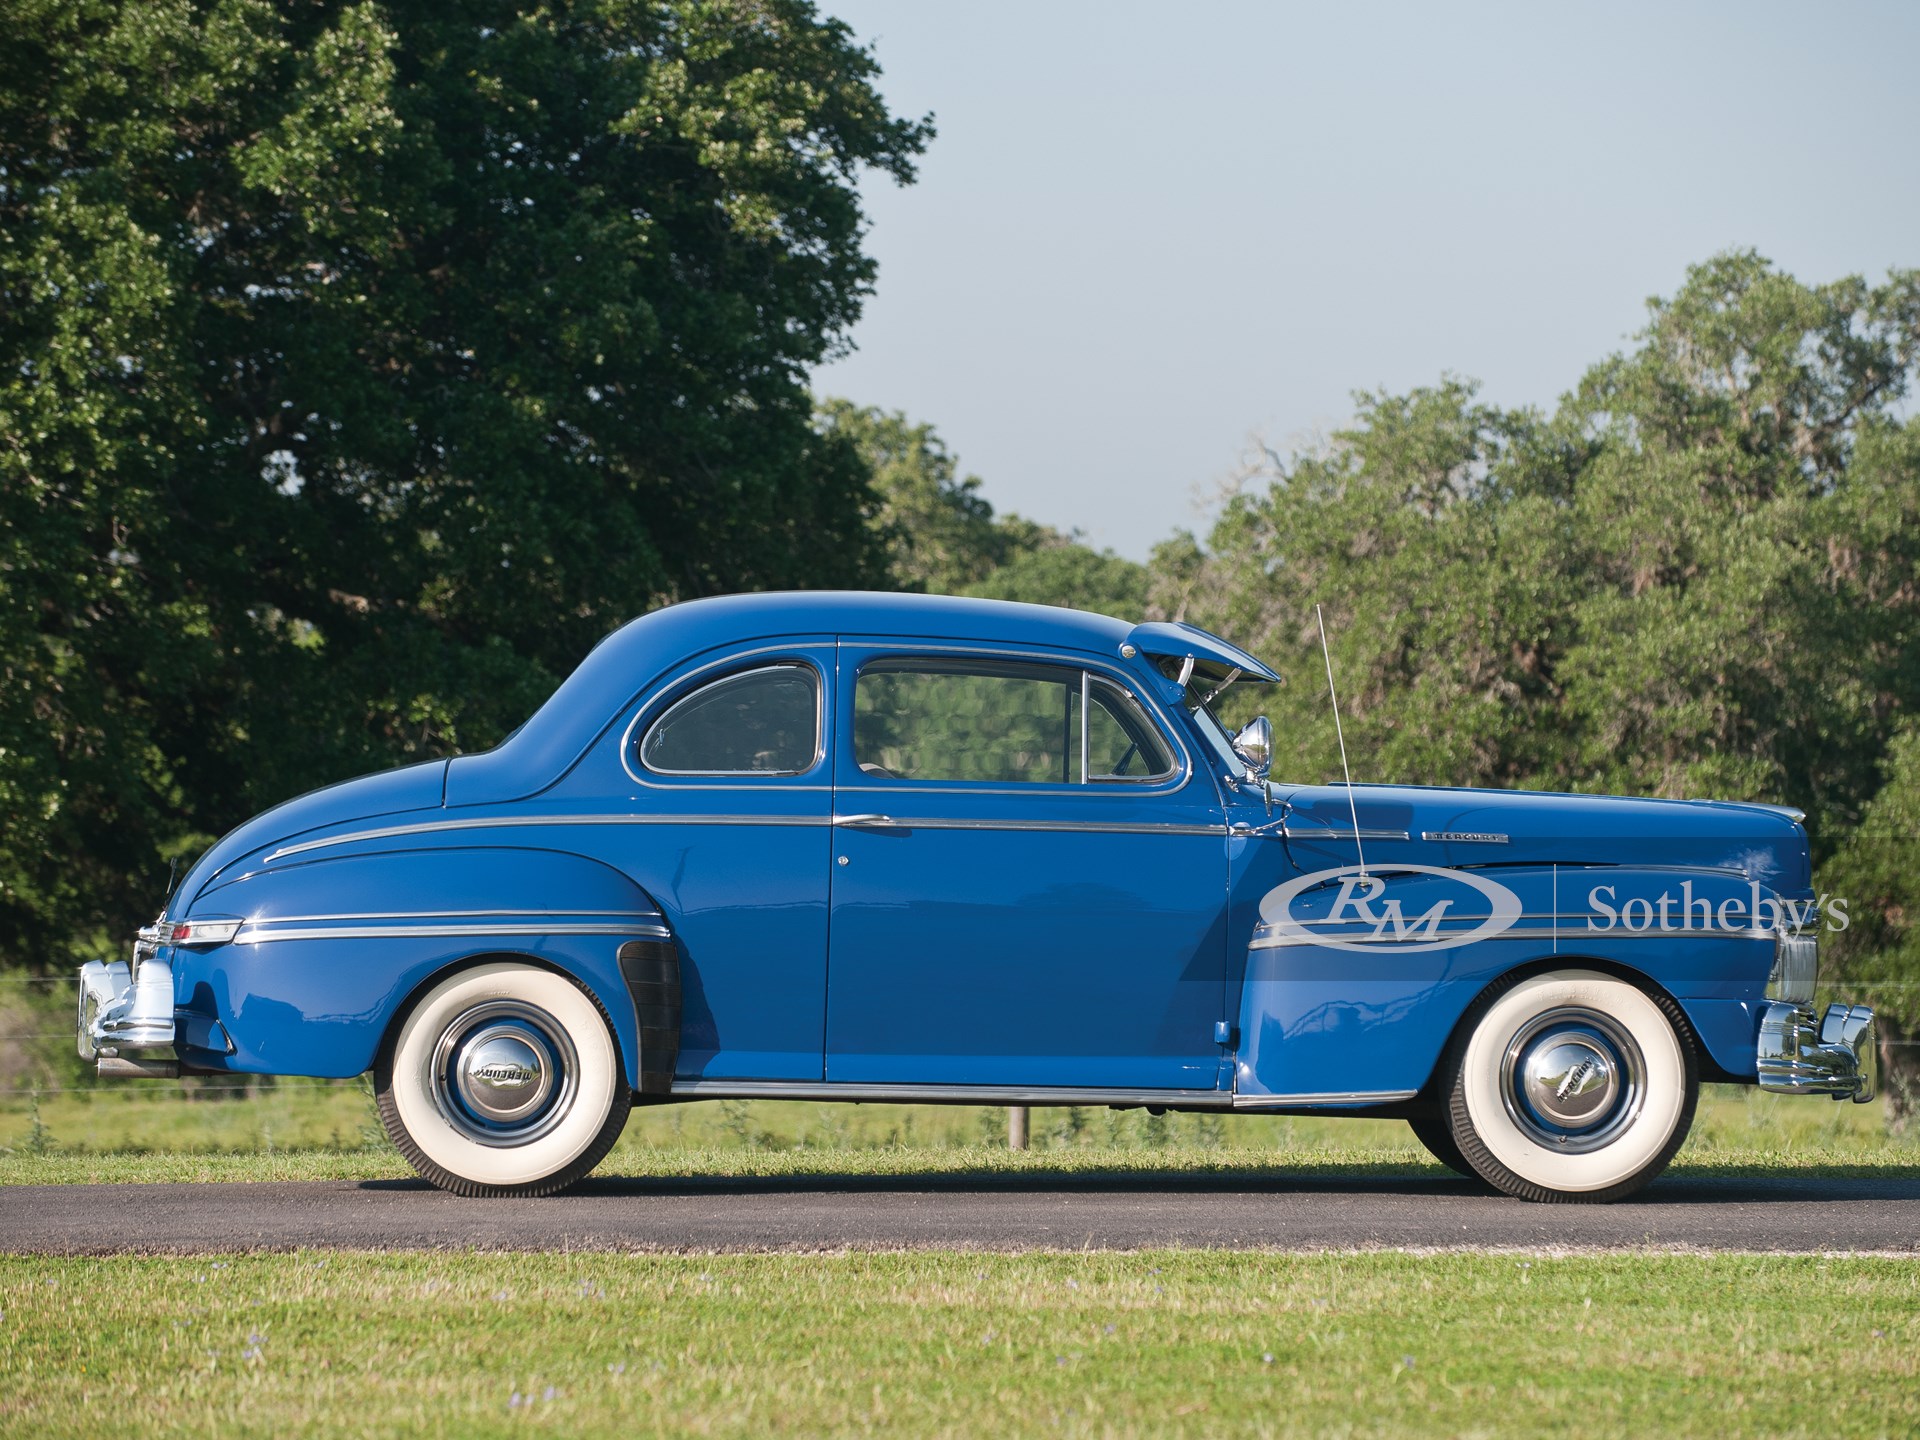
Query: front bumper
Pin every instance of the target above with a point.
(1836, 1054)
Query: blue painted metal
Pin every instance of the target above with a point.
(971, 946)
(1083, 936)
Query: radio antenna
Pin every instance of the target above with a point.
(1352, 808)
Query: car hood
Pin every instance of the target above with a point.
(412, 787)
(1433, 826)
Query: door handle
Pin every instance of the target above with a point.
(867, 822)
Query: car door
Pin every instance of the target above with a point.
(1018, 897)
(726, 826)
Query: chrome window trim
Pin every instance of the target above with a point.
(1170, 783)
(1089, 679)
(649, 698)
(819, 723)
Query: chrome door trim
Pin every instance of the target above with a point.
(1096, 827)
(1017, 1095)
(942, 1094)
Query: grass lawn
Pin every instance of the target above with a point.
(304, 1130)
(1169, 1342)
(928, 1343)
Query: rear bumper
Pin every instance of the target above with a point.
(126, 1008)
(1836, 1054)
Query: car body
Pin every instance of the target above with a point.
(910, 848)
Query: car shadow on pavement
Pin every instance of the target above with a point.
(1681, 1189)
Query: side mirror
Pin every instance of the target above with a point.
(1254, 745)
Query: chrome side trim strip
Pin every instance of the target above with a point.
(939, 1094)
(1099, 827)
(443, 915)
(1388, 942)
(1342, 833)
(1338, 1097)
(508, 822)
(255, 935)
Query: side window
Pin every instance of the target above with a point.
(999, 723)
(917, 721)
(1122, 743)
(761, 722)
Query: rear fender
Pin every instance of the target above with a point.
(332, 952)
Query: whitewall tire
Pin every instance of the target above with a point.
(503, 1079)
(1571, 1086)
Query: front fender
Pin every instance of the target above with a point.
(331, 950)
(1355, 1008)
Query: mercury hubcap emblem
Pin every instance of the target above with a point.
(1570, 1082)
(1573, 1079)
(501, 1075)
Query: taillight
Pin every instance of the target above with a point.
(202, 931)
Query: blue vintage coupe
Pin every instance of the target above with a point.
(903, 848)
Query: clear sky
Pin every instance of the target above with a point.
(1146, 232)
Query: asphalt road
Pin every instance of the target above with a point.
(860, 1213)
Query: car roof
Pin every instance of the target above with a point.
(629, 659)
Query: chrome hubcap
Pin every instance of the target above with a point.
(504, 1073)
(1573, 1079)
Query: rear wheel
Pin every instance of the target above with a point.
(1571, 1086)
(1432, 1132)
(503, 1080)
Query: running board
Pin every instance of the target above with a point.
(1015, 1095)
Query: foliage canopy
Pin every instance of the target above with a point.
(362, 364)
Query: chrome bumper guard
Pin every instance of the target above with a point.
(126, 1011)
(1837, 1054)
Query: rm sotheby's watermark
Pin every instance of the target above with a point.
(1463, 907)
(1756, 912)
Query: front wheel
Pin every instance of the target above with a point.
(503, 1080)
(1571, 1086)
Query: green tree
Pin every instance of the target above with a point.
(1700, 577)
(1747, 545)
(1433, 533)
(362, 364)
(944, 538)
(1875, 959)
(1064, 572)
(941, 532)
